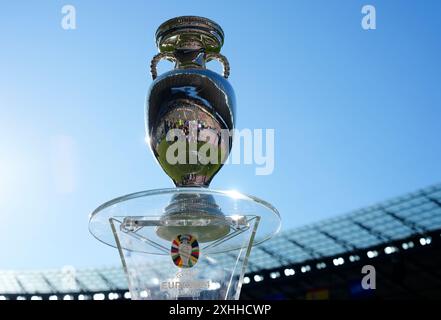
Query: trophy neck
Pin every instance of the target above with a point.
(188, 57)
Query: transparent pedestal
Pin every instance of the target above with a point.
(185, 243)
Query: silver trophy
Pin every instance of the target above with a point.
(188, 242)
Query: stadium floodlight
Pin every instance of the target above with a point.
(390, 250)
(338, 261)
(99, 296)
(305, 268)
(183, 232)
(372, 254)
(258, 278)
(289, 272)
(354, 257)
(113, 296)
(425, 241)
(407, 245)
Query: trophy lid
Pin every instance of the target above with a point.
(189, 32)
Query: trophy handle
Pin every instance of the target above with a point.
(162, 55)
(222, 59)
(171, 57)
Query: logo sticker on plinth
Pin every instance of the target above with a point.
(185, 251)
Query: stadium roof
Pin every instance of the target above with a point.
(412, 214)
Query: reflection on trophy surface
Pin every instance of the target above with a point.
(201, 100)
(200, 137)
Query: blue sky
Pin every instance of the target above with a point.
(356, 113)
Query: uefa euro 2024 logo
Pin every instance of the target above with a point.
(185, 251)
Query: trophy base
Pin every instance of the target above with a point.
(183, 268)
(185, 243)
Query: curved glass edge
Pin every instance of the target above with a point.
(187, 190)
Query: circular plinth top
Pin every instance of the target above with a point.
(154, 205)
(189, 30)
